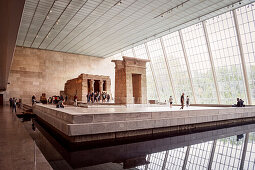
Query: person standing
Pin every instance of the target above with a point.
(33, 99)
(75, 100)
(182, 101)
(10, 100)
(14, 103)
(171, 101)
(187, 101)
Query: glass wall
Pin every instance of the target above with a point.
(177, 65)
(226, 56)
(222, 51)
(160, 69)
(199, 61)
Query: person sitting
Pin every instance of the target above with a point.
(238, 104)
(60, 104)
(241, 103)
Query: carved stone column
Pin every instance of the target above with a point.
(101, 82)
(92, 81)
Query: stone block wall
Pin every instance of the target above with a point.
(35, 71)
(73, 87)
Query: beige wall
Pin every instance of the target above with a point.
(36, 71)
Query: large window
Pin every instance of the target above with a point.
(226, 56)
(177, 65)
(128, 53)
(246, 20)
(199, 61)
(160, 70)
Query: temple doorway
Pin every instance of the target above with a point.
(104, 85)
(136, 84)
(96, 86)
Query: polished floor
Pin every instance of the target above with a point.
(17, 148)
(99, 109)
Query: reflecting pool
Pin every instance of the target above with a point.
(226, 148)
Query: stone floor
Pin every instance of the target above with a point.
(101, 109)
(17, 148)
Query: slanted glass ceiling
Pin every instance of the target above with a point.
(211, 62)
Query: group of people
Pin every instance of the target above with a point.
(182, 101)
(97, 96)
(13, 104)
(240, 103)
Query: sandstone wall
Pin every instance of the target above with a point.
(36, 71)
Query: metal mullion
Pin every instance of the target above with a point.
(168, 67)
(212, 155)
(244, 150)
(211, 61)
(134, 54)
(186, 158)
(187, 64)
(246, 82)
(165, 160)
(152, 70)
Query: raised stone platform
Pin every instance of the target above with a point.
(110, 122)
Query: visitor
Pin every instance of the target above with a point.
(61, 97)
(182, 101)
(10, 100)
(66, 98)
(241, 103)
(171, 101)
(60, 104)
(14, 103)
(95, 97)
(187, 101)
(75, 100)
(99, 97)
(92, 97)
(104, 97)
(108, 97)
(238, 104)
(49, 100)
(33, 99)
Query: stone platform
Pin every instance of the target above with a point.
(110, 122)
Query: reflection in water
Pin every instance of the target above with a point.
(228, 148)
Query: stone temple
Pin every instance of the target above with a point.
(86, 83)
(178, 75)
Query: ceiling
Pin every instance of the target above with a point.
(104, 27)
